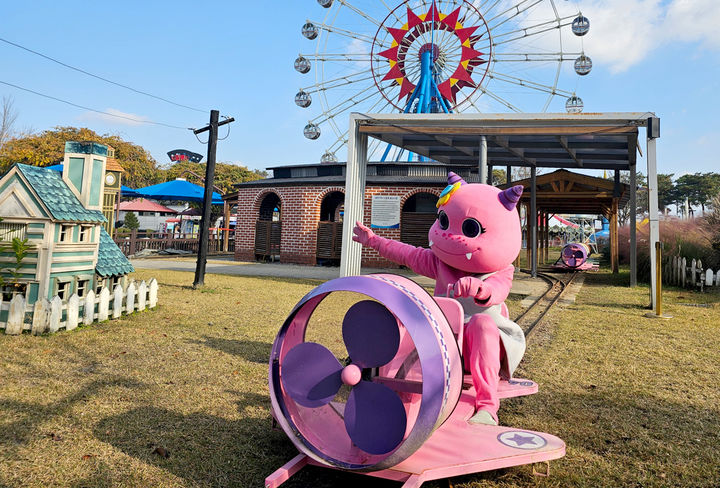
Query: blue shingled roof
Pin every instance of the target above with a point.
(57, 196)
(111, 260)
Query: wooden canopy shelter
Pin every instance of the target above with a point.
(606, 141)
(563, 191)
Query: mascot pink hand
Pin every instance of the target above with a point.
(468, 286)
(362, 234)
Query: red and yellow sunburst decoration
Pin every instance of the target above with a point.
(462, 42)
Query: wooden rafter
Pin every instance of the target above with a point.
(573, 154)
(519, 153)
(448, 141)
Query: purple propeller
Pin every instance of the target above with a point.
(375, 416)
(371, 334)
(311, 374)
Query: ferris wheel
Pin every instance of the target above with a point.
(437, 56)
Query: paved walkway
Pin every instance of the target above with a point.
(523, 284)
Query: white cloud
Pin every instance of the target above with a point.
(624, 32)
(114, 116)
(694, 21)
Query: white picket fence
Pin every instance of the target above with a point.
(47, 315)
(679, 271)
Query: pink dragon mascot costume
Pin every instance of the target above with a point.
(473, 243)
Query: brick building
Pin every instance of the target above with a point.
(296, 215)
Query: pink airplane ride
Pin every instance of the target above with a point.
(413, 414)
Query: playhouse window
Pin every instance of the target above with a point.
(99, 284)
(85, 233)
(66, 233)
(82, 288)
(10, 290)
(115, 281)
(63, 290)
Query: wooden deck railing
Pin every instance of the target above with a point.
(132, 243)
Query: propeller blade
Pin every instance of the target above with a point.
(310, 374)
(371, 334)
(375, 418)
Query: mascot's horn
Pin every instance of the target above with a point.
(454, 178)
(511, 196)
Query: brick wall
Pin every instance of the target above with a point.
(300, 214)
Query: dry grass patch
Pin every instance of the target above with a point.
(635, 399)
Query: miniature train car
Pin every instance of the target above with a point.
(575, 256)
(397, 407)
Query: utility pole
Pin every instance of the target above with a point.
(207, 200)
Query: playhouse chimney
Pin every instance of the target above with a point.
(84, 171)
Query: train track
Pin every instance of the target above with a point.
(532, 315)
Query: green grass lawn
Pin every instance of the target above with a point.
(635, 399)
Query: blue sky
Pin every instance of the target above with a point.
(648, 55)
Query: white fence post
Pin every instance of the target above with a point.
(153, 293)
(103, 304)
(684, 272)
(55, 314)
(673, 265)
(73, 311)
(700, 282)
(131, 292)
(117, 301)
(142, 296)
(41, 317)
(693, 268)
(47, 314)
(89, 308)
(16, 316)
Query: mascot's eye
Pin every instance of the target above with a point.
(472, 228)
(443, 220)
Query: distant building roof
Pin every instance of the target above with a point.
(191, 212)
(111, 261)
(143, 205)
(113, 165)
(57, 196)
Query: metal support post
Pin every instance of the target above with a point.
(350, 259)
(633, 226)
(482, 161)
(652, 215)
(533, 220)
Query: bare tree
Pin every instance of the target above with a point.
(7, 120)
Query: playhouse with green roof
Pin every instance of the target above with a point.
(61, 215)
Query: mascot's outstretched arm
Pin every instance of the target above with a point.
(422, 261)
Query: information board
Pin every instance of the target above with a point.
(385, 212)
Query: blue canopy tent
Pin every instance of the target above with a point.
(127, 191)
(179, 190)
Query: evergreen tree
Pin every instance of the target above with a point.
(131, 221)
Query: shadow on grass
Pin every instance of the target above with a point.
(253, 351)
(626, 441)
(207, 450)
(30, 414)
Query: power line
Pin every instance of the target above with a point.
(100, 77)
(139, 121)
